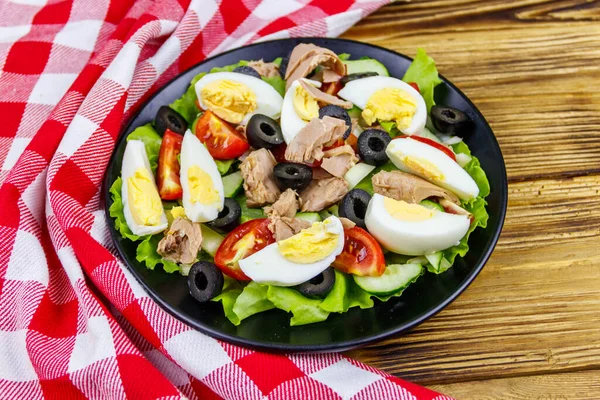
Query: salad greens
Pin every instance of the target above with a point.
(241, 299)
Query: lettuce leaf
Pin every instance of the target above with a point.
(146, 253)
(252, 300)
(277, 82)
(228, 296)
(224, 165)
(423, 72)
(249, 213)
(116, 211)
(344, 295)
(304, 310)
(152, 142)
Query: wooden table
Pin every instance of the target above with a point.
(529, 326)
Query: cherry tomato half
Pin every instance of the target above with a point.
(362, 254)
(221, 139)
(243, 241)
(415, 86)
(433, 143)
(169, 185)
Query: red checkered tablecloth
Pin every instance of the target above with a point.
(74, 323)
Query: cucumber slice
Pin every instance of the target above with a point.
(211, 240)
(354, 112)
(309, 216)
(366, 65)
(435, 259)
(432, 205)
(395, 278)
(357, 174)
(232, 183)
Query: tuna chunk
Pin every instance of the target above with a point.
(339, 160)
(308, 144)
(306, 57)
(325, 97)
(281, 213)
(326, 75)
(268, 70)
(399, 185)
(259, 183)
(181, 242)
(323, 193)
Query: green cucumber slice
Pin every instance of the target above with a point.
(232, 183)
(395, 278)
(432, 205)
(366, 65)
(357, 174)
(309, 216)
(211, 240)
(435, 259)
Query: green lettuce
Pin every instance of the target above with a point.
(152, 142)
(249, 213)
(252, 300)
(304, 310)
(146, 254)
(423, 72)
(116, 211)
(344, 295)
(224, 165)
(228, 296)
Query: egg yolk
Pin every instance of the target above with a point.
(424, 168)
(305, 105)
(390, 104)
(177, 212)
(310, 245)
(404, 211)
(202, 188)
(144, 202)
(229, 100)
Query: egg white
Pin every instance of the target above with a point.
(291, 123)
(135, 157)
(414, 238)
(268, 100)
(193, 153)
(268, 266)
(359, 91)
(455, 179)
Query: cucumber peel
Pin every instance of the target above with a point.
(395, 279)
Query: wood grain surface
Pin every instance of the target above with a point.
(529, 326)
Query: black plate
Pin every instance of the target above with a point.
(271, 330)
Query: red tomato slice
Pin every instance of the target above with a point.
(338, 143)
(415, 86)
(169, 185)
(352, 141)
(279, 154)
(221, 139)
(243, 241)
(362, 255)
(432, 143)
(332, 88)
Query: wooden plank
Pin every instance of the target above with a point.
(532, 67)
(583, 385)
(531, 311)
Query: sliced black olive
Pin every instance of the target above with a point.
(246, 70)
(167, 118)
(205, 281)
(263, 132)
(292, 175)
(359, 75)
(449, 120)
(371, 146)
(339, 113)
(354, 206)
(318, 286)
(228, 218)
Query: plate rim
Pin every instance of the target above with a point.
(314, 348)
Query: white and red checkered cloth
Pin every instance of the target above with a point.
(73, 322)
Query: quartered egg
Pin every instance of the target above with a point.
(235, 97)
(298, 258)
(433, 165)
(142, 206)
(412, 229)
(200, 180)
(383, 98)
(299, 107)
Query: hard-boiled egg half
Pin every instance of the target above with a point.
(298, 258)
(412, 229)
(299, 107)
(383, 98)
(142, 206)
(236, 97)
(200, 180)
(434, 165)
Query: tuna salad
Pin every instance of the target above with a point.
(311, 184)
